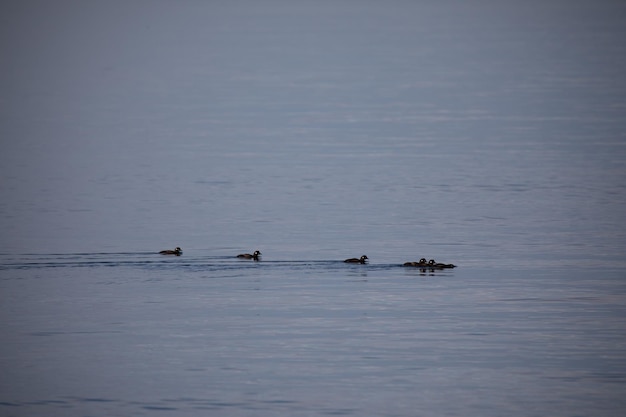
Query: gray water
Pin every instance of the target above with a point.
(486, 134)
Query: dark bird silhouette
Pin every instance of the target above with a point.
(178, 251)
(363, 259)
(422, 262)
(254, 256)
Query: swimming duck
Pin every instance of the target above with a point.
(254, 256)
(363, 259)
(421, 262)
(439, 265)
(178, 251)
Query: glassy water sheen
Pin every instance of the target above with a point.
(486, 134)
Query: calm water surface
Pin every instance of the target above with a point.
(132, 333)
(481, 134)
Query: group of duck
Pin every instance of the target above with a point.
(422, 263)
(256, 256)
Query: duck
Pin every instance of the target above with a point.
(439, 265)
(421, 262)
(254, 256)
(363, 259)
(178, 251)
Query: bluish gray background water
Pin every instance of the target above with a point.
(486, 134)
